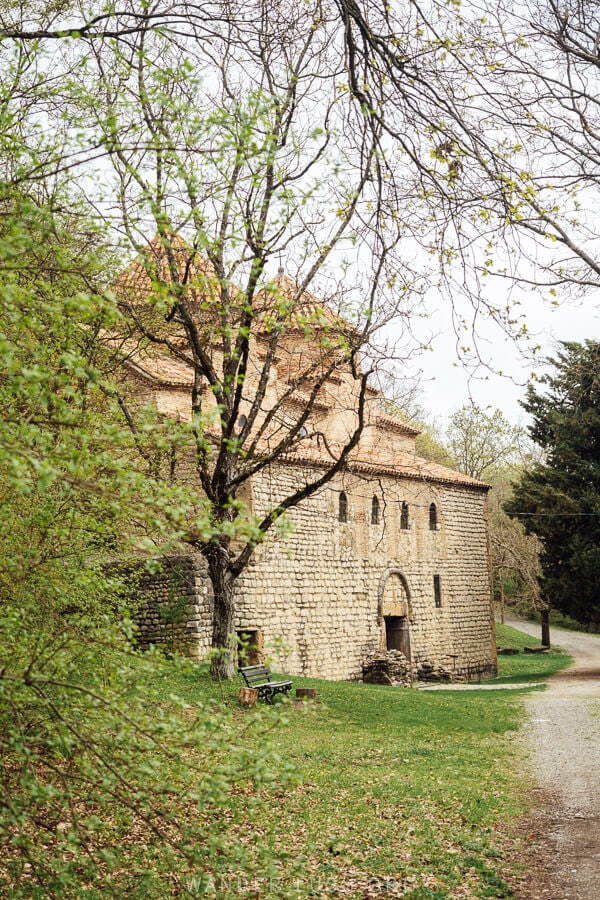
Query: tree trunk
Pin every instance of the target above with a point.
(307, 694)
(247, 696)
(545, 628)
(224, 639)
(501, 597)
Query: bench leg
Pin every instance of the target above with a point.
(267, 693)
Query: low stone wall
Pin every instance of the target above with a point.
(174, 609)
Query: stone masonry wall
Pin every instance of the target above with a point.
(316, 599)
(323, 591)
(175, 608)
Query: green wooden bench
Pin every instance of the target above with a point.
(260, 679)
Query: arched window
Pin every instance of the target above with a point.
(433, 523)
(343, 508)
(375, 511)
(404, 516)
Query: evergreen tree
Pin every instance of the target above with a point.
(559, 499)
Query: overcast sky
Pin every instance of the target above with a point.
(446, 384)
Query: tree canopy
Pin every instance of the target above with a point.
(482, 441)
(559, 499)
(87, 754)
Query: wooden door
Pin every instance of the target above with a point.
(397, 634)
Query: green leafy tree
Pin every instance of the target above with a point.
(559, 499)
(515, 554)
(484, 444)
(482, 441)
(103, 783)
(430, 443)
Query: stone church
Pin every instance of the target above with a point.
(391, 554)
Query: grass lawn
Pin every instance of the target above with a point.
(396, 793)
(401, 793)
(526, 666)
(168, 788)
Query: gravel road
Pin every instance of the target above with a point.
(563, 735)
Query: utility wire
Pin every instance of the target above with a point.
(553, 515)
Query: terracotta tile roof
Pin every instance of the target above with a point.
(392, 463)
(165, 370)
(197, 272)
(198, 285)
(192, 269)
(308, 309)
(162, 370)
(408, 465)
(390, 423)
(168, 372)
(301, 398)
(307, 312)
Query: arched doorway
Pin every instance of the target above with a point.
(395, 611)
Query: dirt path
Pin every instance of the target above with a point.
(563, 733)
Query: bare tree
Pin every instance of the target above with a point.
(229, 158)
(534, 78)
(561, 88)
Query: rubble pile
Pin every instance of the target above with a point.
(429, 671)
(388, 667)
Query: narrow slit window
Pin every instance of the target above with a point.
(437, 591)
(433, 521)
(375, 511)
(343, 507)
(404, 517)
